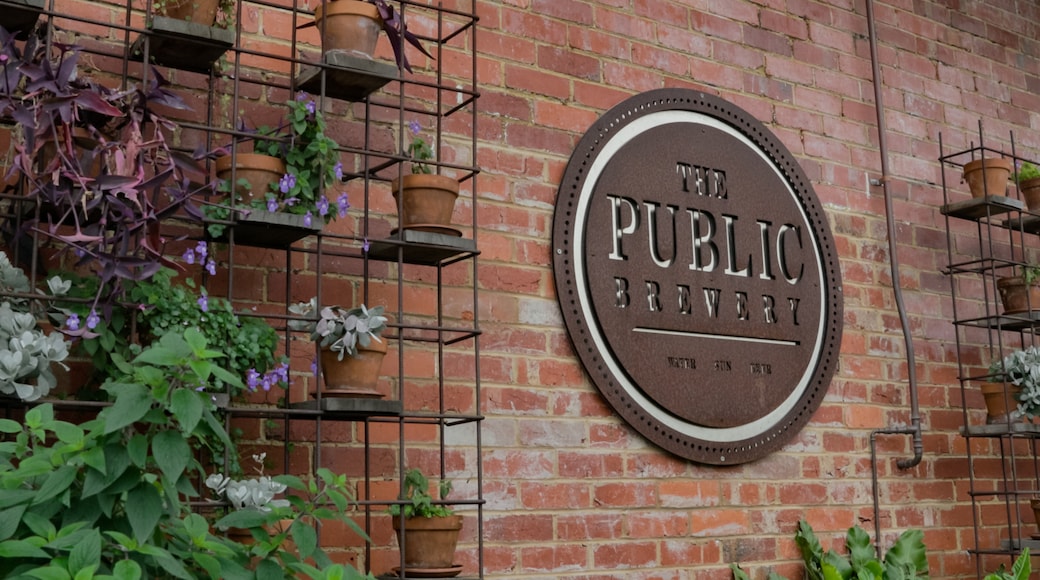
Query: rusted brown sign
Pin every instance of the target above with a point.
(697, 276)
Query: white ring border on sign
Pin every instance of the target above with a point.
(666, 418)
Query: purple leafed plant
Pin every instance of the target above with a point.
(94, 164)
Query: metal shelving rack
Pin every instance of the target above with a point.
(434, 419)
(1004, 234)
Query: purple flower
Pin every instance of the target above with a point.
(201, 249)
(365, 246)
(307, 219)
(93, 319)
(211, 267)
(339, 170)
(291, 201)
(201, 388)
(314, 366)
(203, 303)
(414, 127)
(287, 182)
(282, 372)
(302, 96)
(343, 204)
(265, 383)
(189, 256)
(311, 107)
(252, 379)
(272, 204)
(72, 322)
(323, 206)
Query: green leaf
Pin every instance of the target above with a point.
(137, 451)
(146, 509)
(186, 407)
(9, 426)
(21, 549)
(305, 537)
(52, 572)
(67, 432)
(1023, 566)
(861, 551)
(86, 553)
(86, 573)
(196, 526)
(132, 402)
(196, 341)
(269, 570)
(40, 525)
(11, 497)
(56, 483)
(126, 570)
(9, 520)
(208, 563)
(171, 453)
(95, 458)
(908, 554)
(242, 519)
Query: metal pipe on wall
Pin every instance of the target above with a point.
(915, 414)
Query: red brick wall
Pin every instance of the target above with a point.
(572, 491)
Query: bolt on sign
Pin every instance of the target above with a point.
(697, 275)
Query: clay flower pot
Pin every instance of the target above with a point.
(1001, 405)
(429, 543)
(354, 376)
(987, 176)
(348, 26)
(259, 171)
(1016, 296)
(202, 12)
(1030, 189)
(428, 199)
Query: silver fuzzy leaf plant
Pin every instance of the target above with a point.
(26, 352)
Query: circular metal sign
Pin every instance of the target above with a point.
(697, 276)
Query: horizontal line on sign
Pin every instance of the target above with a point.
(733, 337)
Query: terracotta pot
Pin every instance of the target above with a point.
(1030, 189)
(987, 176)
(429, 542)
(354, 376)
(1016, 297)
(259, 171)
(202, 12)
(245, 537)
(428, 199)
(1001, 404)
(349, 26)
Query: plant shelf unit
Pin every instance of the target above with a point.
(989, 237)
(433, 413)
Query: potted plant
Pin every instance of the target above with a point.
(117, 489)
(291, 172)
(987, 176)
(428, 531)
(1028, 179)
(1020, 371)
(1020, 293)
(351, 349)
(205, 12)
(352, 27)
(1020, 570)
(103, 203)
(26, 351)
(426, 199)
(906, 559)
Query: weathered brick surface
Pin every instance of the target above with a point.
(572, 491)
